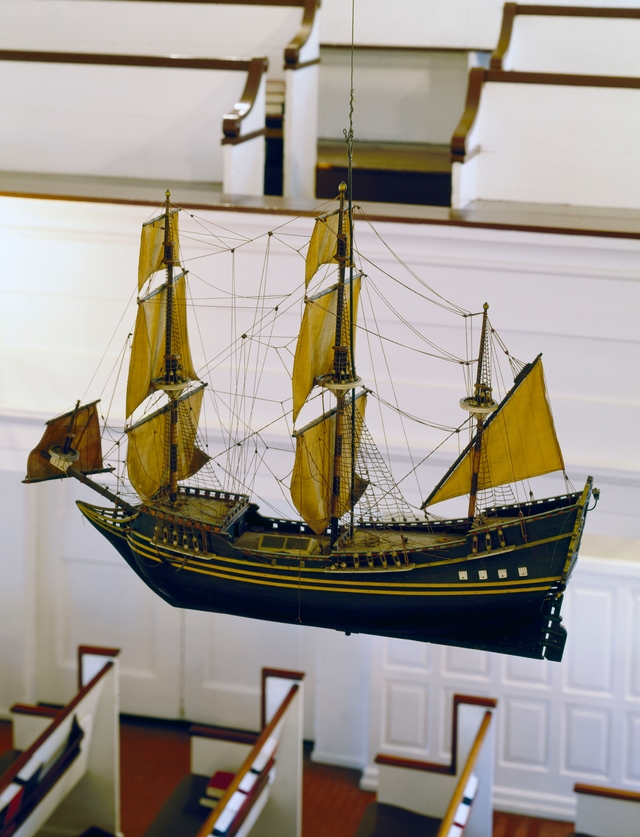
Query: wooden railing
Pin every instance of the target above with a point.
(511, 10)
(232, 122)
(262, 742)
(439, 797)
(478, 77)
(463, 781)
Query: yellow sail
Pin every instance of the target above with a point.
(148, 449)
(519, 441)
(314, 350)
(147, 363)
(323, 247)
(313, 470)
(151, 246)
(82, 427)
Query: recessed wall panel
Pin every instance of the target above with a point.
(406, 707)
(466, 663)
(416, 655)
(633, 748)
(634, 685)
(587, 740)
(526, 733)
(520, 671)
(589, 661)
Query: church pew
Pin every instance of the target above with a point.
(263, 772)
(606, 812)
(134, 116)
(67, 779)
(548, 138)
(285, 32)
(440, 800)
(569, 39)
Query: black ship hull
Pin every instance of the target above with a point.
(497, 586)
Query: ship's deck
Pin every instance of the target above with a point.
(364, 540)
(215, 509)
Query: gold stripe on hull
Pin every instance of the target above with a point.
(364, 588)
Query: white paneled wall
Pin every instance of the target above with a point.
(68, 274)
(577, 721)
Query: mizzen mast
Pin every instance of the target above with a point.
(480, 404)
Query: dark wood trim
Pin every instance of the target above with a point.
(390, 48)
(28, 709)
(219, 734)
(207, 827)
(303, 64)
(93, 650)
(562, 79)
(273, 672)
(260, 132)
(413, 764)
(107, 59)
(292, 49)
(510, 10)
(576, 11)
(609, 793)
(508, 15)
(478, 76)
(226, 2)
(474, 91)
(232, 122)
(427, 215)
(437, 767)
(16, 766)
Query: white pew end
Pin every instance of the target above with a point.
(607, 812)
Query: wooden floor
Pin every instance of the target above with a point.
(154, 757)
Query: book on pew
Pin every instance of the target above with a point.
(10, 801)
(218, 784)
(238, 807)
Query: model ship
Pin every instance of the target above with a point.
(493, 579)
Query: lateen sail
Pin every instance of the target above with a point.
(323, 246)
(519, 441)
(82, 428)
(152, 245)
(148, 351)
(148, 448)
(313, 471)
(314, 351)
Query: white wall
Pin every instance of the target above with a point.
(461, 24)
(400, 96)
(69, 273)
(589, 45)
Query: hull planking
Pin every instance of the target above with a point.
(496, 586)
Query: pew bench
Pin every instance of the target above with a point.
(569, 39)
(260, 787)
(606, 812)
(184, 111)
(63, 775)
(426, 799)
(548, 138)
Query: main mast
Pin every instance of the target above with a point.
(341, 363)
(171, 359)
